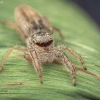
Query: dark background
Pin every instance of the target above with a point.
(92, 7)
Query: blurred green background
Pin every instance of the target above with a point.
(18, 79)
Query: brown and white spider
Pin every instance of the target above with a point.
(37, 33)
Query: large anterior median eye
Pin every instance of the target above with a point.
(45, 44)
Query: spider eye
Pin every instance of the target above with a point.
(45, 44)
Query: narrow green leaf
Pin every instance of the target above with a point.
(18, 79)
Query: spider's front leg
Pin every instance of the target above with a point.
(61, 55)
(78, 56)
(18, 48)
(31, 56)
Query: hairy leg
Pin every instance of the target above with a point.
(15, 26)
(32, 57)
(18, 48)
(65, 60)
(74, 54)
(58, 30)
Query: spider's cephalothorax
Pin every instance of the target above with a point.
(42, 44)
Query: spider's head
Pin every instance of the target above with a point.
(43, 39)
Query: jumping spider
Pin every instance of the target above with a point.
(37, 33)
